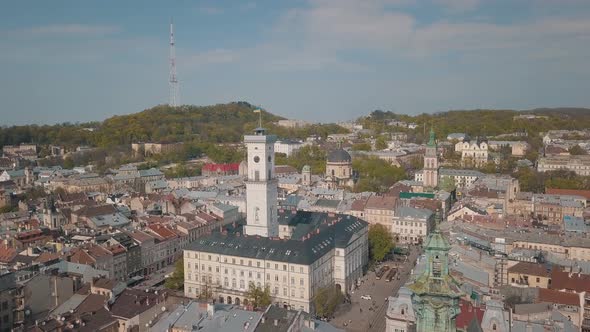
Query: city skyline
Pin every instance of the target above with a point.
(311, 60)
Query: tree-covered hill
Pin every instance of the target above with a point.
(483, 122)
(222, 123)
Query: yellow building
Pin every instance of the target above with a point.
(529, 275)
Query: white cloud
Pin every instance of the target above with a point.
(66, 30)
(320, 36)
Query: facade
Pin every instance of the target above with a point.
(553, 208)
(473, 152)
(436, 293)
(380, 210)
(322, 249)
(525, 274)
(430, 172)
(462, 177)
(411, 225)
(287, 147)
(579, 164)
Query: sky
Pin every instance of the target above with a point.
(315, 60)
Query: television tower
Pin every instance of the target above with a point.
(173, 82)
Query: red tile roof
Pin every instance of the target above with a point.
(557, 297)
(530, 269)
(358, 205)
(467, 314)
(570, 281)
(574, 192)
(381, 202)
(7, 254)
(162, 231)
(234, 167)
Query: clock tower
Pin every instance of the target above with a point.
(436, 293)
(261, 185)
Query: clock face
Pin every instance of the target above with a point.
(256, 159)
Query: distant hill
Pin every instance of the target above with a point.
(560, 111)
(222, 123)
(482, 122)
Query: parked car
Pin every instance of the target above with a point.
(366, 297)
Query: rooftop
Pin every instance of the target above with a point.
(319, 231)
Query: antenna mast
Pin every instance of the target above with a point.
(173, 82)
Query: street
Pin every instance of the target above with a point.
(369, 315)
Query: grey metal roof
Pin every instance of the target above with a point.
(410, 212)
(339, 156)
(315, 234)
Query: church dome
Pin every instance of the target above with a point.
(339, 156)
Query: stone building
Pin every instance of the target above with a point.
(322, 249)
(339, 169)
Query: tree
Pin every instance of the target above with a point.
(68, 163)
(376, 174)
(361, 147)
(259, 297)
(380, 242)
(381, 143)
(176, 281)
(326, 300)
(447, 183)
(577, 150)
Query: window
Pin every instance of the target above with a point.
(258, 275)
(233, 283)
(257, 264)
(301, 270)
(249, 263)
(225, 282)
(301, 282)
(242, 284)
(241, 262)
(494, 327)
(284, 267)
(285, 291)
(292, 281)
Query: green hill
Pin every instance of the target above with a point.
(222, 123)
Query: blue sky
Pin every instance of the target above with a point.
(317, 60)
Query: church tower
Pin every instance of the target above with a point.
(436, 293)
(261, 185)
(431, 163)
(306, 175)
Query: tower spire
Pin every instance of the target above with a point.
(173, 81)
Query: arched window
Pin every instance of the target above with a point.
(494, 327)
